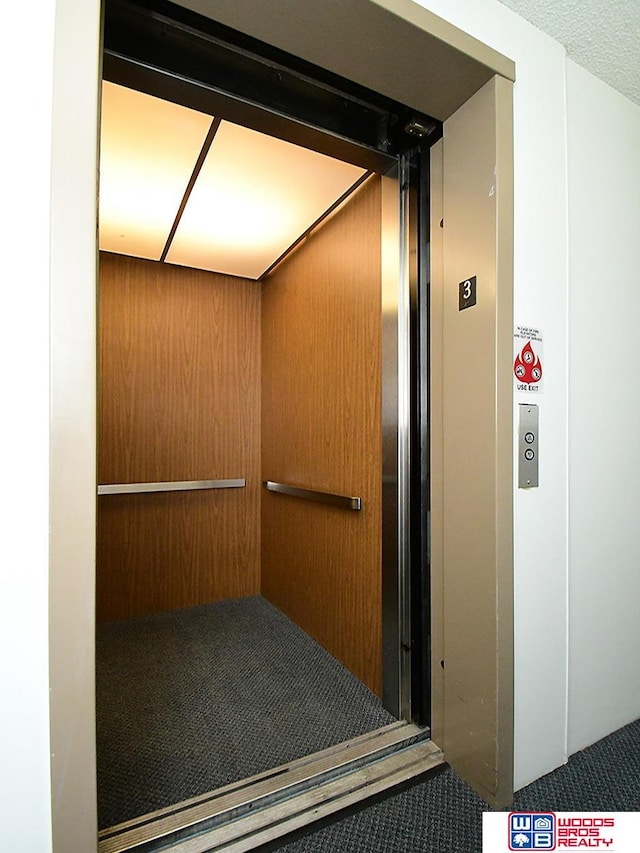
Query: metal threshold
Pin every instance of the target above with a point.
(254, 811)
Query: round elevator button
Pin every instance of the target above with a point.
(529, 454)
(529, 437)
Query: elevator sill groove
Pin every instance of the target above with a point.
(254, 811)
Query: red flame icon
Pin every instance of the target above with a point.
(527, 366)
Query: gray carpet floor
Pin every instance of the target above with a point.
(443, 815)
(166, 687)
(183, 704)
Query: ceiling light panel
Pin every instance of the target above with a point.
(253, 198)
(148, 150)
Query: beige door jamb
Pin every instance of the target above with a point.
(471, 462)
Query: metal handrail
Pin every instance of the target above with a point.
(326, 498)
(170, 486)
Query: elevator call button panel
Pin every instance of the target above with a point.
(528, 430)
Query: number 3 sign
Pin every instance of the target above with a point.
(467, 293)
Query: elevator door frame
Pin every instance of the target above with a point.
(419, 51)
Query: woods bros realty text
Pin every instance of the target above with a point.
(585, 833)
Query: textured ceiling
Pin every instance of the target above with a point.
(603, 37)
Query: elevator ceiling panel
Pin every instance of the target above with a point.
(148, 148)
(237, 205)
(253, 198)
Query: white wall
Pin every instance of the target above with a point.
(25, 159)
(540, 300)
(604, 400)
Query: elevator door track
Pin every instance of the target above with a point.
(244, 815)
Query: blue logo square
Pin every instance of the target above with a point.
(532, 831)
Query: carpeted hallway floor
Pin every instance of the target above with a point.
(443, 815)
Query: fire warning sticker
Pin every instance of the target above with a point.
(527, 365)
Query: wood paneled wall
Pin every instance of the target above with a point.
(321, 415)
(179, 399)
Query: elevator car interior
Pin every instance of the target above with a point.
(244, 284)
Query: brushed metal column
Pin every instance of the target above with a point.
(396, 593)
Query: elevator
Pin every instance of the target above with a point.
(468, 655)
(249, 441)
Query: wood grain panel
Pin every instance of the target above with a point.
(163, 551)
(179, 399)
(321, 411)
